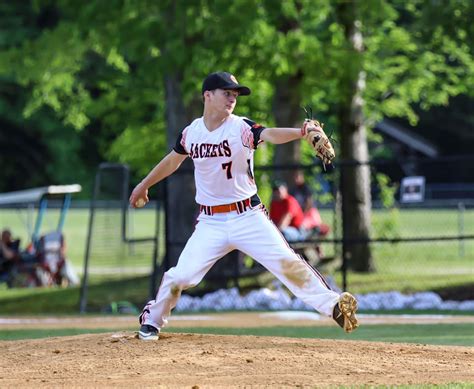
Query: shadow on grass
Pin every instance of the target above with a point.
(66, 300)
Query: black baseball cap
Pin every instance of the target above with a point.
(224, 80)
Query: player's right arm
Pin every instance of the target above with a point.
(167, 166)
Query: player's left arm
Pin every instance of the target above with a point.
(279, 135)
(253, 134)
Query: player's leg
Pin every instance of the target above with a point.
(207, 244)
(258, 237)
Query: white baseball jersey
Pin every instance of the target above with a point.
(223, 159)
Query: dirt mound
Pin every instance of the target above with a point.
(190, 360)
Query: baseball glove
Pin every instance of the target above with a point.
(313, 132)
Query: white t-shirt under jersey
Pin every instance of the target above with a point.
(223, 159)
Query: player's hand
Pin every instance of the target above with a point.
(139, 197)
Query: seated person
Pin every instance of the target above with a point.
(9, 253)
(312, 220)
(51, 254)
(287, 214)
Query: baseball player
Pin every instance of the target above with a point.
(232, 216)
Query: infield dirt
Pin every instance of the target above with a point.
(177, 360)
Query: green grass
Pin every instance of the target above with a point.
(452, 385)
(408, 223)
(48, 333)
(442, 334)
(406, 267)
(416, 266)
(417, 281)
(40, 301)
(66, 300)
(142, 224)
(435, 334)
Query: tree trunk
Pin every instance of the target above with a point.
(181, 208)
(287, 112)
(355, 177)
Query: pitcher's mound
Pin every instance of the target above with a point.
(191, 360)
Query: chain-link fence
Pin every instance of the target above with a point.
(420, 227)
(121, 244)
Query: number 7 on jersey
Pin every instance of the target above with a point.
(227, 167)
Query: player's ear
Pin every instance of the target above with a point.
(207, 94)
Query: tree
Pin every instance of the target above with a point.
(356, 203)
(120, 71)
(388, 56)
(35, 149)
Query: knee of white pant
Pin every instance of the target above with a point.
(176, 281)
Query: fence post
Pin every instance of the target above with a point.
(166, 261)
(343, 234)
(462, 211)
(336, 217)
(154, 274)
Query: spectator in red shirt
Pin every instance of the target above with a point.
(312, 218)
(287, 214)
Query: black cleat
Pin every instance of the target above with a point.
(148, 332)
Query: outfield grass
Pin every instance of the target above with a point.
(404, 224)
(435, 334)
(66, 300)
(442, 334)
(406, 267)
(454, 385)
(101, 292)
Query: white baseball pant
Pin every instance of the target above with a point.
(254, 234)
